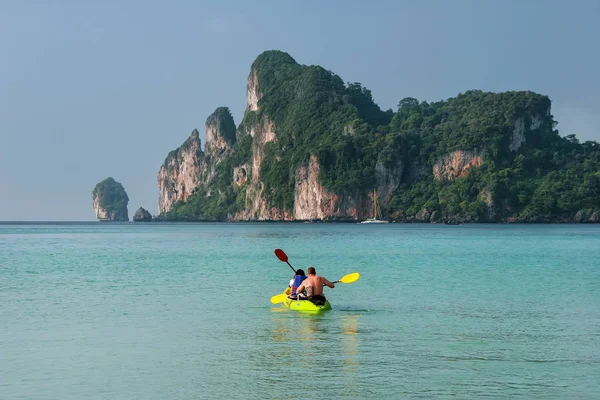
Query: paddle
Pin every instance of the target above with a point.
(353, 277)
(278, 298)
(283, 257)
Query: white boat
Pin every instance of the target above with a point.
(374, 220)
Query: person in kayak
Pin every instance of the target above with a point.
(313, 285)
(295, 282)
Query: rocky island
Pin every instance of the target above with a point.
(142, 215)
(110, 201)
(312, 147)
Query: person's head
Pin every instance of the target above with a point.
(311, 271)
(300, 272)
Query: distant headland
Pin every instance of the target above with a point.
(311, 147)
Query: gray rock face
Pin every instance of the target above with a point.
(586, 215)
(423, 216)
(142, 215)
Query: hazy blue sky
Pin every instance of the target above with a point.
(90, 89)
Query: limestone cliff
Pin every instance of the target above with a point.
(220, 133)
(261, 131)
(189, 167)
(387, 180)
(253, 94)
(312, 147)
(519, 133)
(181, 173)
(456, 164)
(110, 201)
(256, 207)
(313, 202)
(311, 199)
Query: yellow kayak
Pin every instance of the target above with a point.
(304, 305)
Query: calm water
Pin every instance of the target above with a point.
(182, 311)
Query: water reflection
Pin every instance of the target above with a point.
(312, 327)
(350, 349)
(327, 346)
(350, 340)
(281, 330)
(321, 336)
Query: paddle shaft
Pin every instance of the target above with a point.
(288, 263)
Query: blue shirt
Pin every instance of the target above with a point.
(297, 281)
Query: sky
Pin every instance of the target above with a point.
(90, 90)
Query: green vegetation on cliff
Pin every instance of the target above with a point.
(220, 199)
(222, 120)
(524, 169)
(112, 198)
(315, 112)
(548, 178)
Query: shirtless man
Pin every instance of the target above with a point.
(314, 286)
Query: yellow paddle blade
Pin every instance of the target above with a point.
(353, 277)
(278, 298)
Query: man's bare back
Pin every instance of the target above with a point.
(314, 284)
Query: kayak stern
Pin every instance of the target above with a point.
(306, 306)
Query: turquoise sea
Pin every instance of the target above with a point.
(182, 311)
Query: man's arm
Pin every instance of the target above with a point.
(330, 284)
(300, 288)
